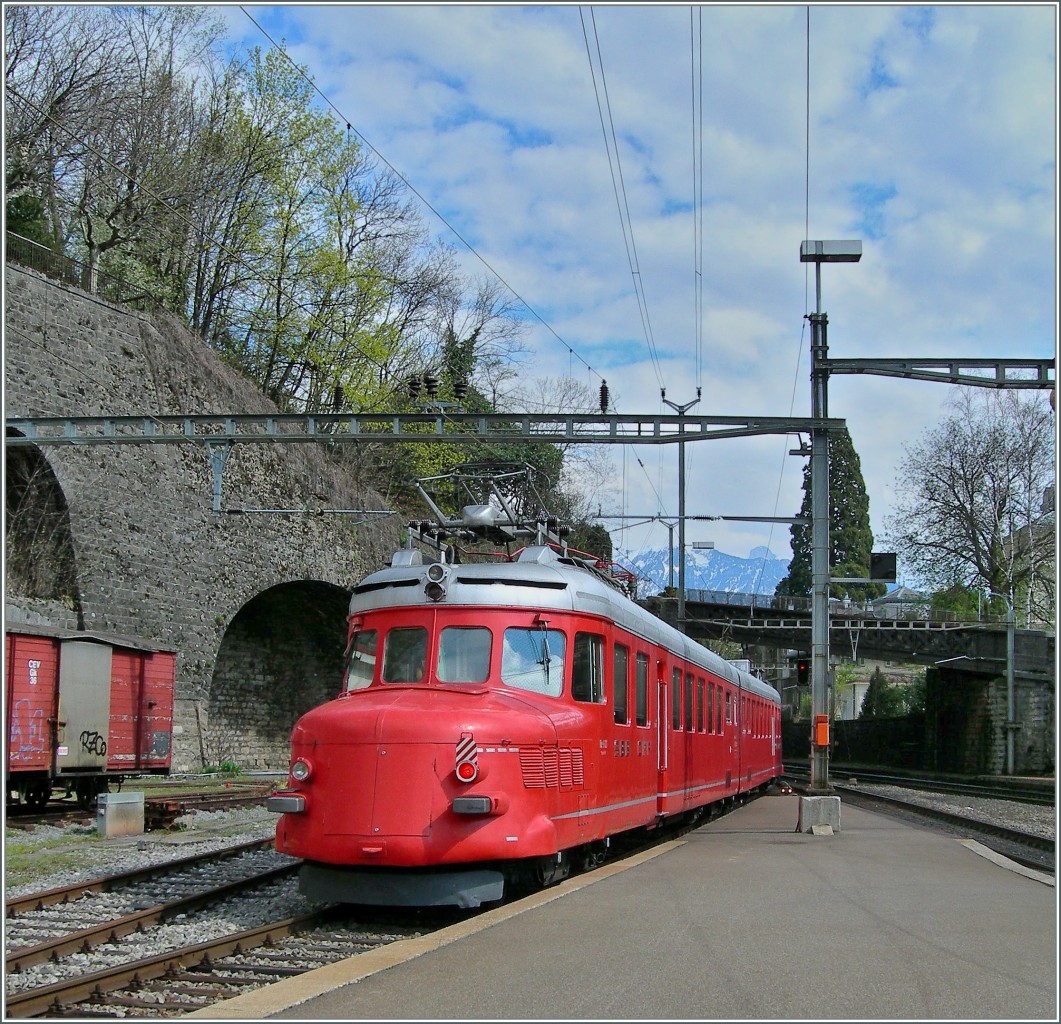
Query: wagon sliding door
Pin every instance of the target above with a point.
(84, 706)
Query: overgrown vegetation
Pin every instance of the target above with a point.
(137, 147)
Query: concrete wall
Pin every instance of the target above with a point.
(148, 557)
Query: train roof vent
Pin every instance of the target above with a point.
(538, 553)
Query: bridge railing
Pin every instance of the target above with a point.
(897, 610)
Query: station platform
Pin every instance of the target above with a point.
(743, 919)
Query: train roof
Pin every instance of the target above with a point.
(86, 636)
(539, 577)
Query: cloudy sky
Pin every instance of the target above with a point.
(927, 132)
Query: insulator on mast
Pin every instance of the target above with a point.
(414, 385)
(604, 396)
(431, 383)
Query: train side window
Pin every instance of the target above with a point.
(404, 654)
(718, 708)
(620, 682)
(676, 699)
(534, 659)
(360, 660)
(641, 700)
(710, 707)
(729, 707)
(464, 654)
(699, 705)
(587, 671)
(689, 701)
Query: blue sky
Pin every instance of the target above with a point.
(928, 132)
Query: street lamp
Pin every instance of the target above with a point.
(1011, 711)
(819, 252)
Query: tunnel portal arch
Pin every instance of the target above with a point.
(39, 556)
(280, 656)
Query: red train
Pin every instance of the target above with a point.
(500, 722)
(83, 710)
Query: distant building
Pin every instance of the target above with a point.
(901, 603)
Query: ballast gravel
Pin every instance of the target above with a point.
(88, 855)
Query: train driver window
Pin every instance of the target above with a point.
(404, 654)
(464, 654)
(641, 699)
(587, 668)
(534, 659)
(360, 660)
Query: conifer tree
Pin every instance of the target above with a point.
(850, 536)
(882, 699)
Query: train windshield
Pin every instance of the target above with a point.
(360, 660)
(404, 655)
(534, 659)
(464, 654)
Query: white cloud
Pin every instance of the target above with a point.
(932, 138)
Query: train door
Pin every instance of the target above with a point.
(84, 706)
(32, 662)
(662, 738)
(740, 712)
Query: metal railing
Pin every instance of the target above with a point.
(897, 610)
(59, 267)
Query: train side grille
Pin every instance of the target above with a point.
(547, 767)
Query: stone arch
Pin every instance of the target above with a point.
(281, 655)
(40, 561)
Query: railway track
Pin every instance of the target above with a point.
(71, 954)
(160, 812)
(935, 799)
(1042, 793)
(99, 948)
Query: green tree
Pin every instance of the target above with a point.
(914, 695)
(882, 699)
(845, 675)
(956, 603)
(850, 536)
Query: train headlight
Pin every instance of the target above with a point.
(435, 588)
(301, 770)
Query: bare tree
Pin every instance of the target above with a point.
(974, 500)
(61, 63)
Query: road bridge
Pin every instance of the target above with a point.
(855, 631)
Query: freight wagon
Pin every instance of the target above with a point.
(83, 711)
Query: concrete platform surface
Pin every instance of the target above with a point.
(743, 919)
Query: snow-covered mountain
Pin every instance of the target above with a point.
(759, 573)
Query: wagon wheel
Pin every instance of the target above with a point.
(594, 855)
(37, 795)
(86, 791)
